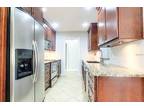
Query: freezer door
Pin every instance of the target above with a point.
(22, 33)
(39, 83)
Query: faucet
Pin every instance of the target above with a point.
(102, 59)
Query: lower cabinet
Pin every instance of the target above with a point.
(47, 75)
(52, 73)
(59, 68)
(112, 88)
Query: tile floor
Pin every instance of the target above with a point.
(68, 88)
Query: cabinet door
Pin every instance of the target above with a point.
(130, 22)
(101, 27)
(111, 23)
(94, 37)
(89, 40)
(37, 14)
(47, 75)
(53, 39)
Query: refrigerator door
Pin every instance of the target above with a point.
(39, 82)
(21, 37)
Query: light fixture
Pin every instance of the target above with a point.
(44, 25)
(43, 9)
(88, 8)
(85, 24)
(55, 25)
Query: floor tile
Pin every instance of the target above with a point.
(68, 88)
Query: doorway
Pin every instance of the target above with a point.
(72, 55)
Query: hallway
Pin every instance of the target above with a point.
(69, 88)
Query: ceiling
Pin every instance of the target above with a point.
(70, 18)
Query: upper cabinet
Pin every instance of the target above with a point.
(111, 23)
(119, 25)
(92, 37)
(36, 12)
(101, 26)
(50, 36)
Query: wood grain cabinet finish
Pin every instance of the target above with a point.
(101, 27)
(47, 75)
(50, 34)
(115, 89)
(52, 37)
(37, 14)
(3, 37)
(123, 24)
(111, 23)
(92, 37)
(120, 89)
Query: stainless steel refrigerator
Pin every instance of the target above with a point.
(26, 58)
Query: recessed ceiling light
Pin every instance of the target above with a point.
(44, 25)
(55, 25)
(85, 24)
(44, 9)
(88, 8)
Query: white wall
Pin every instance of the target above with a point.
(129, 55)
(61, 38)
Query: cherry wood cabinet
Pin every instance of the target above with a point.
(101, 27)
(47, 75)
(50, 34)
(92, 37)
(52, 72)
(112, 88)
(35, 12)
(111, 23)
(52, 37)
(122, 24)
(120, 89)
(3, 46)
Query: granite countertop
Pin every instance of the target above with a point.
(49, 61)
(98, 69)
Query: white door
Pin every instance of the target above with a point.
(72, 56)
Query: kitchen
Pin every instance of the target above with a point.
(72, 54)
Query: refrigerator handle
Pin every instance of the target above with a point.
(34, 61)
(37, 68)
